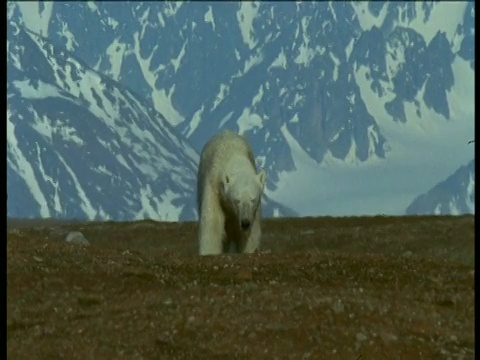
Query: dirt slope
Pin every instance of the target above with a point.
(323, 288)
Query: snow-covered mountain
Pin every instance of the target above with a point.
(455, 195)
(80, 145)
(343, 102)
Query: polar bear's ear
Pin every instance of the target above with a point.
(262, 177)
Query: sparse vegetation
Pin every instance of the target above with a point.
(323, 288)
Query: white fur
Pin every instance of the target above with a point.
(228, 190)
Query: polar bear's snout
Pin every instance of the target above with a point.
(245, 224)
(245, 215)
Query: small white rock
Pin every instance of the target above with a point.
(338, 306)
(361, 337)
(168, 302)
(76, 237)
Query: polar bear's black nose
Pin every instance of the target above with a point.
(245, 224)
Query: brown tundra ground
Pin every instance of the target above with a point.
(322, 288)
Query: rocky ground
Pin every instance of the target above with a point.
(322, 288)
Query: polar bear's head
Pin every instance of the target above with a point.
(243, 194)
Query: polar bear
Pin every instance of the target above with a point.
(229, 191)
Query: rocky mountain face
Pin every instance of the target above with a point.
(326, 92)
(454, 195)
(80, 145)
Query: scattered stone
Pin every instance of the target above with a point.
(244, 274)
(308, 232)
(388, 337)
(164, 339)
(47, 330)
(190, 323)
(37, 331)
(168, 302)
(37, 258)
(338, 306)
(76, 237)
(361, 337)
(307, 355)
(407, 254)
(15, 232)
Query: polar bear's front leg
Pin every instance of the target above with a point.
(253, 241)
(211, 227)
